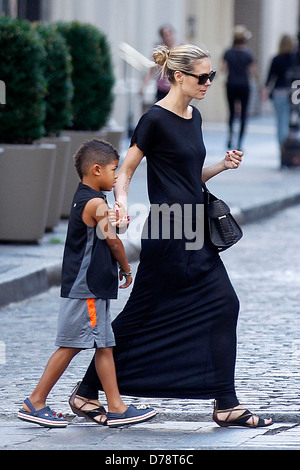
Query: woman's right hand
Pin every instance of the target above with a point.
(118, 216)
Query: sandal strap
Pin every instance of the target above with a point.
(100, 409)
(242, 419)
(96, 412)
(30, 405)
(43, 412)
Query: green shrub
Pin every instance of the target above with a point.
(58, 73)
(21, 69)
(92, 75)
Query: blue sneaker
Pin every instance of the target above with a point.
(132, 415)
(44, 417)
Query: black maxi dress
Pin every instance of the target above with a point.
(176, 336)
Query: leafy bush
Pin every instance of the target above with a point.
(58, 74)
(21, 69)
(92, 75)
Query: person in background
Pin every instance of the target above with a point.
(278, 86)
(239, 64)
(167, 35)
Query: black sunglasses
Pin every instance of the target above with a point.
(202, 78)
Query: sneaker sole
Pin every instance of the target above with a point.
(136, 419)
(41, 421)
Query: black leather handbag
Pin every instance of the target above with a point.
(224, 230)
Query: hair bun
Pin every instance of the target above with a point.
(160, 55)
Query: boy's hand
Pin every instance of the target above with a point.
(128, 279)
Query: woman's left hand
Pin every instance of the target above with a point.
(233, 159)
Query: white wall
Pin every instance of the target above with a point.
(137, 21)
(133, 21)
(278, 17)
(212, 31)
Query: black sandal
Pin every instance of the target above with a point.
(88, 414)
(240, 421)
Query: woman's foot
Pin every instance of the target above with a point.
(238, 416)
(88, 408)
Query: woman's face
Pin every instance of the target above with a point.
(190, 84)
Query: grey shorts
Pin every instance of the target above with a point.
(84, 323)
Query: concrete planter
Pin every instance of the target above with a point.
(72, 179)
(26, 175)
(63, 144)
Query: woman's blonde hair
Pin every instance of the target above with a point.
(181, 58)
(286, 45)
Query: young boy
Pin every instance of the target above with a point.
(89, 280)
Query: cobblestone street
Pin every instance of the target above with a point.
(264, 268)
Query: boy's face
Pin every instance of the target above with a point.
(108, 175)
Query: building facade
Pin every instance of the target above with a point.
(207, 23)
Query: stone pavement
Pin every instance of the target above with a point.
(264, 268)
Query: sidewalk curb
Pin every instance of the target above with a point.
(262, 211)
(41, 280)
(26, 286)
(278, 416)
(185, 416)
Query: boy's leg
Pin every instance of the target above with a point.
(56, 366)
(105, 367)
(118, 413)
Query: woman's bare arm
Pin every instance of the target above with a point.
(125, 174)
(118, 215)
(231, 161)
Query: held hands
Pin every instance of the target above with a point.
(118, 216)
(233, 159)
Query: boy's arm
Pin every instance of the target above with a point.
(96, 213)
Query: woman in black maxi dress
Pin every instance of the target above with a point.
(176, 336)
